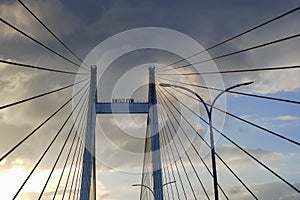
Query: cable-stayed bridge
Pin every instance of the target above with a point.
(180, 160)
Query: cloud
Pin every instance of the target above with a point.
(18, 121)
(49, 12)
(205, 23)
(287, 118)
(270, 190)
(14, 172)
(281, 54)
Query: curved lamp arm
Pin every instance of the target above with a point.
(189, 90)
(145, 187)
(226, 90)
(150, 188)
(168, 183)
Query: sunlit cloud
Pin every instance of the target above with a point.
(287, 118)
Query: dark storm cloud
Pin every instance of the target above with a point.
(208, 23)
(205, 21)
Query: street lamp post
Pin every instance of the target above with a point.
(142, 185)
(209, 113)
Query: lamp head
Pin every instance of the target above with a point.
(165, 85)
(246, 83)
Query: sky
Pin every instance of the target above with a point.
(106, 33)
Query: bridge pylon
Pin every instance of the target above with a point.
(88, 184)
(88, 179)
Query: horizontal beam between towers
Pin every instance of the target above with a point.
(122, 108)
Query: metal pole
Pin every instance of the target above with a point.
(209, 113)
(155, 142)
(88, 183)
(213, 156)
